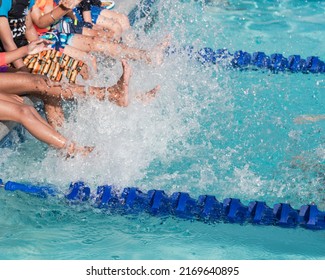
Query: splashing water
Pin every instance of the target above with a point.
(209, 129)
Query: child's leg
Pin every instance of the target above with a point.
(111, 25)
(54, 111)
(42, 87)
(101, 33)
(19, 100)
(37, 85)
(112, 21)
(81, 55)
(117, 50)
(12, 110)
(114, 16)
(119, 93)
(29, 118)
(12, 98)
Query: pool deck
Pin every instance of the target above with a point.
(123, 6)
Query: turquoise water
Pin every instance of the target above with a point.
(32, 228)
(210, 130)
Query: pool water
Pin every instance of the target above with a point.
(33, 228)
(211, 130)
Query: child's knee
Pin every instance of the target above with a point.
(25, 113)
(117, 29)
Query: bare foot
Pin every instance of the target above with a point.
(156, 56)
(119, 93)
(146, 98)
(73, 150)
(91, 60)
(85, 72)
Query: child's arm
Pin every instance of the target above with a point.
(51, 14)
(8, 41)
(32, 48)
(31, 33)
(9, 57)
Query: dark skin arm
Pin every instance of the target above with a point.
(31, 33)
(8, 41)
(33, 48)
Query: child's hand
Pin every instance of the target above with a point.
(69, 4)
(38, 46)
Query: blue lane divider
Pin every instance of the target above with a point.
(239, 59)
(42, 191)
(243, 60)
(180, 204)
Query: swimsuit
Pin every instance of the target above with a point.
(4, 69)
(68, 25)
(16, 11)
(94, 6)
(60, 40)
(54, 65)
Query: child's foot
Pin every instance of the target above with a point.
(85, 72)
(157, 54)
(91, 60)
(119, 93)
(73, 150)
(145, 98)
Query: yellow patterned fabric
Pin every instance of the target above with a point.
(54, 65)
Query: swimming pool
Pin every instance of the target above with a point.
(211, 130)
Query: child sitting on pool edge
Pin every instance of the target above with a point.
(12, 107)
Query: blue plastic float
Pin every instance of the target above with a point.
(258, 60)
(180, 204)
(206, 208)
(239, 59)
